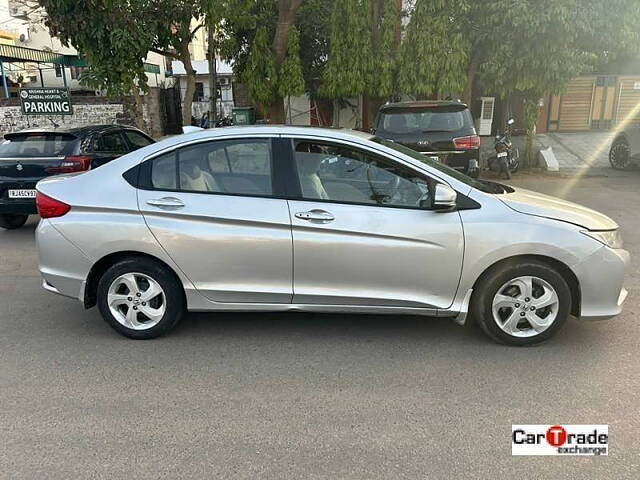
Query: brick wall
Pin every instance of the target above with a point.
(86, 111)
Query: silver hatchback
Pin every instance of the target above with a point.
(302, 219)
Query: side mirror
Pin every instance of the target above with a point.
(511, 121)
(444, 198)
(372, 131)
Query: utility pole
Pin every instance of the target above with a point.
(213, 79)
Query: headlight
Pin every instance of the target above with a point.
(610, 238)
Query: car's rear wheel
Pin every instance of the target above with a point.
(620, 155)
(140, 298)
(11, 221)
(521, 303)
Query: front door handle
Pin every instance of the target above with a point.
(316, 216)
(166, 202)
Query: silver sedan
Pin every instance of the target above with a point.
(300, 219)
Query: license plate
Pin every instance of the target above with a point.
(24, 193)
(502, 154)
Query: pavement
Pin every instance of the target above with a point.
(581, 153)
(309, 395)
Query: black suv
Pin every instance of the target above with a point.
(442, 129)
(30, 155)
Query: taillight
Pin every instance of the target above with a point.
(71, 164)
(50, 207)
(467, 143)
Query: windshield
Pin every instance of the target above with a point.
(482, 185)
(425, 121)
(36, 145)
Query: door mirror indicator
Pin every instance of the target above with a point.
(444, 198)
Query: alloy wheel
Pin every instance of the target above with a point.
(525, 306)
(136, 301)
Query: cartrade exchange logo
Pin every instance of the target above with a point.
(559, 439)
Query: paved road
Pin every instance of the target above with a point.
(307, 396)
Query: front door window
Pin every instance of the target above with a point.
(344, 175)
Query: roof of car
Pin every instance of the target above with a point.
(325, 132)
(77, 131)
(422, 104)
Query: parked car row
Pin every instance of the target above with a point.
(30, 155)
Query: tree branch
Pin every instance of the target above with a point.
(165, 53)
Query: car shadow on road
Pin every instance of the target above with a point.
(271, 326)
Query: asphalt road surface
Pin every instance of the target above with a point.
(309, 395)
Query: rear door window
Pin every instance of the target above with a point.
(37, 145)
(236, 167)
(110, 143)
(136, 139)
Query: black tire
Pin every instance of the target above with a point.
(173, 291)
(489, 284)
(620, 155)
(10, 221)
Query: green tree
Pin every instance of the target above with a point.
(291, 78)
(435, 51)
(257, 37)
(115, 36)
(365, 37)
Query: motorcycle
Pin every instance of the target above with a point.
(224, 122)
(507, 159)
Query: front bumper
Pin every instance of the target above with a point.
(601, 279)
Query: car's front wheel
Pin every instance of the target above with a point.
(140, 298)
(11, 221)
(521, 303)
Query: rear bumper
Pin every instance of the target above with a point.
(601, 278)
(19, 207)
(63, 266)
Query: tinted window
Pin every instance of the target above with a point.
(241, 167)
(423, 121)
(110, 143)
(335, 173)
(39, 145)
(137, 140)
(163, 172)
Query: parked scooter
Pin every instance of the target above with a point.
(224, 122)
(507, 159)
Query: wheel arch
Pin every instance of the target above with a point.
(563, 269)
(102, 265)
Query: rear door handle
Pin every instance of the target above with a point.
(316, 216)
(166, 202)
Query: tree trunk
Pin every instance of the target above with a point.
(213, 79)
(472, 71)
(187, 102)
(139, 108)
(286, 16)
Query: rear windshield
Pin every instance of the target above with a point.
(448, 119)
(36, 145)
